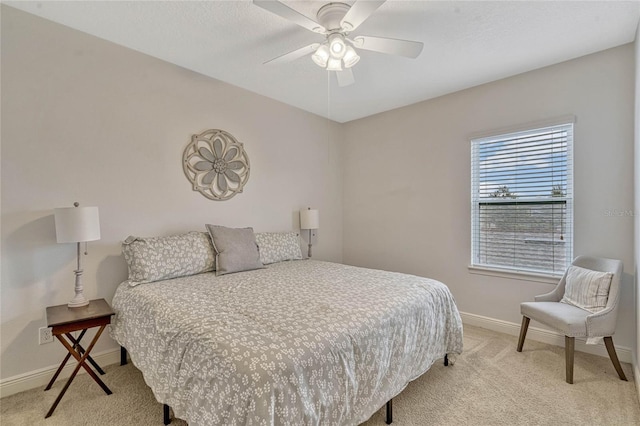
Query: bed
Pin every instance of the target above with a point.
(300, 342)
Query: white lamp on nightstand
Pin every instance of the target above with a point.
(309, 219)
(77, 225)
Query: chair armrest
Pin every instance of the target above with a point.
(603, 323)
(552, 296)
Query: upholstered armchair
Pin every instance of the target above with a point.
(574, 321)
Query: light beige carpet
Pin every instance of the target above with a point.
(490, 384)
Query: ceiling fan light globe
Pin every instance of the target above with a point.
(334, 64)
(350, 57)
(321, 56)
(319, 61)
(337, 46)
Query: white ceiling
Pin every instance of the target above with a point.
(465, 44)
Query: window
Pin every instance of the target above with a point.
(522, 200)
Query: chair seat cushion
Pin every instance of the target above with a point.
(568, 319)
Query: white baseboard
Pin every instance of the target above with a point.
(41, 377)
(636, 374)
(544, 336)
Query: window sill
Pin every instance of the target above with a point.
(515, 275)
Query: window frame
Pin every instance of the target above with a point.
(521, 272)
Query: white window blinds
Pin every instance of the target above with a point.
(522, 200)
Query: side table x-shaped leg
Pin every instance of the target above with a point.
(81, 350)
(81, 358)
(63, 321)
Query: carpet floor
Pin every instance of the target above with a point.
(490, 384)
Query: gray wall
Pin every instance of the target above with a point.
(86, 120)
(407, 179)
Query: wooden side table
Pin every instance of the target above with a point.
(63, 321)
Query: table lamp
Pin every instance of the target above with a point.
(309, 219)
(77, 225)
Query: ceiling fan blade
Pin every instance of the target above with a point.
(292, 15)
(392, 46)
(292, 56)
(345, 77)
(360, 11)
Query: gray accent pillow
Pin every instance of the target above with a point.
(161, 258)
(587, 289)
(236, 249)
(278, 246)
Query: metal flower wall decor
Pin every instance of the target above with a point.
(216, 164)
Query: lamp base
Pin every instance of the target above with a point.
(78, 302)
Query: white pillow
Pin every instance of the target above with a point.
(161, 258)
(587, 289)
(278, 246)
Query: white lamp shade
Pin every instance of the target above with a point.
(77, 224)
(334, 64)
(321, 56)
(350, 57)
(309, 219)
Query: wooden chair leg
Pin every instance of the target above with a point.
(523, 332)
(569, 345)
(608, 342)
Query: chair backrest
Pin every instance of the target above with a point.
(602, 264)
(595, 264)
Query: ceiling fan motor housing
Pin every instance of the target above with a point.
(330, 15)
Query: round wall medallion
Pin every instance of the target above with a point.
(216, 164)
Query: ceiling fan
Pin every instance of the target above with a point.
(336, 21)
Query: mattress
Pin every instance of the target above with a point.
(297, 343)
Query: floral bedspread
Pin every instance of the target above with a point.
(298, 343)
